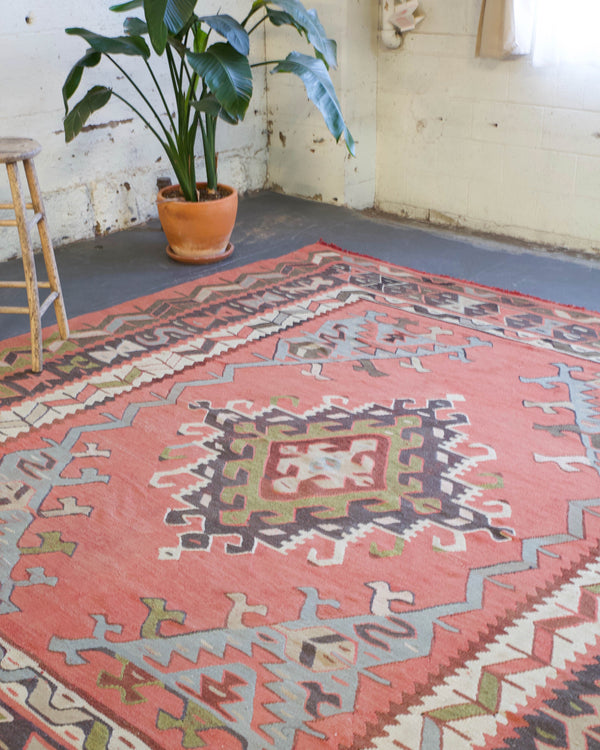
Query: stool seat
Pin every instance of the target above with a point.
(13, 151)
(18, 149)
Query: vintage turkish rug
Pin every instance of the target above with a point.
(315, 502)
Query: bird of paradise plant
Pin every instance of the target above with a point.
(210, 80)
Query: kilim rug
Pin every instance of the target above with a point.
(316, 502)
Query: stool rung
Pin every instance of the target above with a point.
(23, 285)
(13, 284)
(23, 310)
(47, 302)
(11, 206)
(35, 219)
(31, 222)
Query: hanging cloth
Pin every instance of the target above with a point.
(505, 28)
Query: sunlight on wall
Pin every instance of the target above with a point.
(496, 146)
(566, 32)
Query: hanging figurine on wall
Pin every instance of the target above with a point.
(407, 15)
(397, 19)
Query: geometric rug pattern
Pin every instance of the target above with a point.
(315, 502)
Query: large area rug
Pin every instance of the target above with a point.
(315, 502)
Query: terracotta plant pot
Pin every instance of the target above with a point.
(197, 232)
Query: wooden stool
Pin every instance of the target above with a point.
(13, 150)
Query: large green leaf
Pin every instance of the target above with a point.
(123, 7)
(178, 14)
(154, 10)
(135, 27)
(89, 60)
(229, 28)
(308, 22)
(200, 38)
(211, 106)
(95, 99)
(175, 13)
(320, 90)
(118, 45)
(228, 76)
(281, 18)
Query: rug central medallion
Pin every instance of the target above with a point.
(280, 476)
(307, 468)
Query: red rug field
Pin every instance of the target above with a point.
(315, 502)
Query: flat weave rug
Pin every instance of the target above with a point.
(315, 502)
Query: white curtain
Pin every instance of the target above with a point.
(505, 28)
(554, 31)
(566, 32)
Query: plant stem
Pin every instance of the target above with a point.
(211, 164)
(257, 24)
(142, 95)
(164, 144)
(176, 87)
(208, 129)
(249, 16)
(162, 96)
(266, 62)
(182, 156)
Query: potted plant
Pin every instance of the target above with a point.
(210, 76)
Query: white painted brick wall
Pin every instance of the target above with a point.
(493, 146)
(306, 160)
(84, 182)
(499, 147)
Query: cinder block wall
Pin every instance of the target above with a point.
(495, 146)
(105, 179)
(491, 146)
(304, 159)
(444, 137)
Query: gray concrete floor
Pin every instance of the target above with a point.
(107, 270)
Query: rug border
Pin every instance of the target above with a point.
(53, 327)
(462, 280)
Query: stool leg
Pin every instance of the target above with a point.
(47, 249)
(33, 298)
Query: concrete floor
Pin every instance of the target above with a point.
(107, 270)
